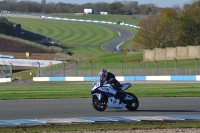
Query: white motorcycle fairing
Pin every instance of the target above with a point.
(110, 92)
(107, 96)
(115, 103)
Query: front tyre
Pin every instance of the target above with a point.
(133, 104)
(99, 105)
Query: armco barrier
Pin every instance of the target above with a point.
(4, 80)
(123, 78)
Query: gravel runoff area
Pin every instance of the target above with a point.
(184, 130)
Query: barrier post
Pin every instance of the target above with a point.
(156, 67)
(138, 67)
(6, 70)
(38, 69)
(122, 67)
(1, 72)
(11, 70)
(51, 69)
(175, 66)
(90, 68)
(63, 68)
(77, 68)
(197, 66)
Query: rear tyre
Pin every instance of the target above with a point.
(134, 104)
(99, 105)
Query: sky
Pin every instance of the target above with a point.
(159, 3)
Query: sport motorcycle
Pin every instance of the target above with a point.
(107, 96)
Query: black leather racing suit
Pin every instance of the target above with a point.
(110, 79)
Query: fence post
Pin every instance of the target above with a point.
(76, 68)
(156, 67)
(64, 68)
(197, 66)
(90, 68)
(20, 75)
(122, 67)
(38, 69)
(11, 70)
(138, 67)
(175, 66)
(6, 70)
(51, 69)
(1, 72)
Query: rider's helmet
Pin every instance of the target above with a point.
(103, 74)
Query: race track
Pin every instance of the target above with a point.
(110, 47)
(124, 36)
(73, 108)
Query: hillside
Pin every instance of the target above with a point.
(18, 50)
(8, 45)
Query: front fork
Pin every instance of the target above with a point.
(99, 96)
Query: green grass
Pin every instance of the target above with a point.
(111, 18)
(85, 39)
(59, 90)
(135, 126)
(82, 39)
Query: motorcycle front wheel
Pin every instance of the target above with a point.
(99, 105)
(133, 104)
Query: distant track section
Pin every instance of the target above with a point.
(124, 35)
(111, 46)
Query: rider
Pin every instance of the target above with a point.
(109, 78)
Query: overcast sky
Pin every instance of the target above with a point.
(159, 3)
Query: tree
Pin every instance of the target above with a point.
(190, 25)
(115, 8)
(43, 2)
(147, 33)
(6, 27)
(169, 27)
(159, 30)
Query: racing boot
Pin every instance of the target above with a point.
(122, 94)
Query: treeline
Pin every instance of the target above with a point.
(122, 8)
(171, 27)
(6, 27)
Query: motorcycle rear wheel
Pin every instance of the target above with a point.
(98, 105)
(134, 104)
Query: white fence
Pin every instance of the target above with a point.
(28, 62)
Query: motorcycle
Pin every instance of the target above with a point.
(106, 96)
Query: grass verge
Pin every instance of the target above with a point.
(59, 90)
(81, 39)
(103, 127)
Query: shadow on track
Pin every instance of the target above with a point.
(159, 111)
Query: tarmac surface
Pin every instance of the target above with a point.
(81, 107)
